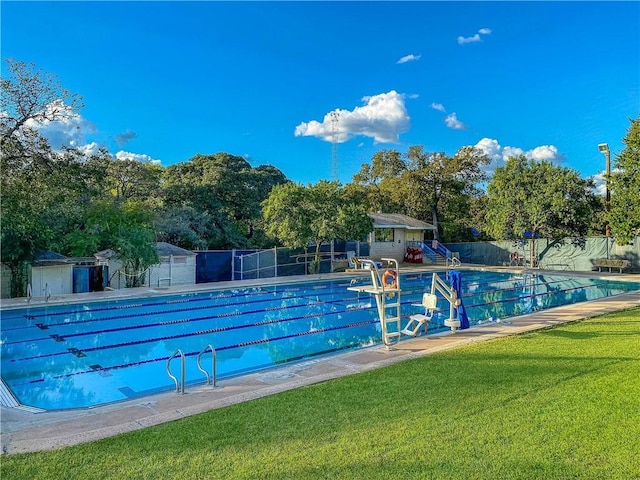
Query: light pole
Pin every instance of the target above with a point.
(604, 148)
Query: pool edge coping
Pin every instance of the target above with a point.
(24, 431)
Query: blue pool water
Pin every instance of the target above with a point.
(82, 355)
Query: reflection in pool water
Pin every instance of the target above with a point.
(82, 355)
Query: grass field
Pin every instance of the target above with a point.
(561, 403)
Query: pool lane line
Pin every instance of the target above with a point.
(162, 312)
(219, 349)
(183, 335)
(230, 314)
(333, 287)
(169, 322)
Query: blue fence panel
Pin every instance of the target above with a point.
(213, 266)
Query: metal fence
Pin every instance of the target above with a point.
(280, 262)
(554, 254)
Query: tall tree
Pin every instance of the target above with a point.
(298, 215)
(31, 97)
(227, 190)
(624, 183)
(445, 181)
(429, 186)
(33, 177)
(538, 199)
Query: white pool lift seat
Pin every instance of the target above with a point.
(420, 320)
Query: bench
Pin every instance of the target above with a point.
(610, 263)
(557, 266)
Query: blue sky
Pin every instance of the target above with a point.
(164, 81)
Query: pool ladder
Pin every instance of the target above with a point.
(211, 379)
(387, 299)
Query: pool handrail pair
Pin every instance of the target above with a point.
(211, 379)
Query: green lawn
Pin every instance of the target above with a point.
(561, 403)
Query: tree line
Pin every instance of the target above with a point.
(78, 204)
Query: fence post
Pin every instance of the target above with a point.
(233, 264)
(275, 261)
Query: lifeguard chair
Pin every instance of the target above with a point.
(420, 320)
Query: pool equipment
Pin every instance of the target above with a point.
(420, 320)
(387, 295)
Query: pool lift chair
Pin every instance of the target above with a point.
(387, 296)
(420, 320)
(429, 302)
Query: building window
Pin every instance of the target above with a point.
(383, 234)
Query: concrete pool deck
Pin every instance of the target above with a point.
(22, 430)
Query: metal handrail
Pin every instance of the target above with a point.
(213, 365)
(455, 262)
(179, 389)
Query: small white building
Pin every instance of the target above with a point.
(51, 274)
(392, 231)
(177, 267)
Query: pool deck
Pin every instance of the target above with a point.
(25, 431)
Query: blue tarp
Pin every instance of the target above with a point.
(455, 278)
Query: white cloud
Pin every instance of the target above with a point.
(491, 148)
(543, 152)
(600, 183)
(72, 129)
(438, 106)
(509, 152)
(383, 117)
(452, 122)
(139, 157)
(499, 155)
(409, 58)
(89, 149)
(474, 38)
(69, 131)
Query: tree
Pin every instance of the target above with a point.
(33, 177)
(227, 190)
(429, 186)
(297, 215)
(183, 226)
(532, 198)
(31, 97)
(624, 183)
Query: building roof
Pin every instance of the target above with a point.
(164, 249)
(167, 249)
(49, 259)
(397, 220)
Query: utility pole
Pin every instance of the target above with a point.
(335, 120)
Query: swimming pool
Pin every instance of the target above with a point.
(83, 355)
